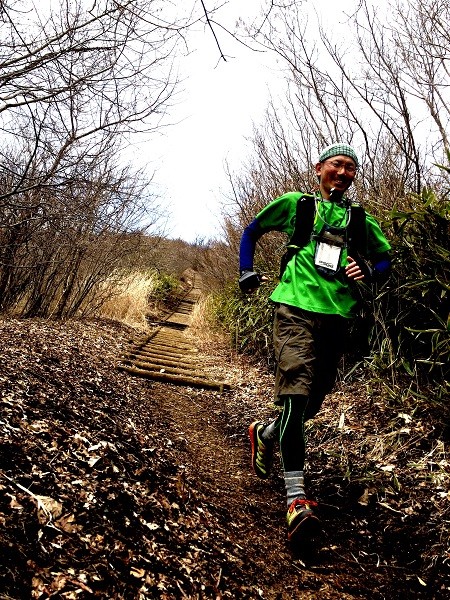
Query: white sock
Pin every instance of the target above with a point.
(294, 483)
(269, 432)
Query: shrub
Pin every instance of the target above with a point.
(246, 318)
(411, 335)
(164, 286)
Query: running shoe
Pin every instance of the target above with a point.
(301, 520)
(262, 452)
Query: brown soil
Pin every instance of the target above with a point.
(120, 487)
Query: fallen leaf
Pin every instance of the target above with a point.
(388, 468)
(47, 508)
(67, 523)
(14, 504)
(364, 499)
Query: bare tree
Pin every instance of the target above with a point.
(78, 75)
(383, 86)
(77, 79)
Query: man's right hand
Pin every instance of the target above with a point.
(249, 281)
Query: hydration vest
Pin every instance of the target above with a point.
(355, 233)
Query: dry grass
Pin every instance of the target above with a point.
(129, 299)
(201, 326)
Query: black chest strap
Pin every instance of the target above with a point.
(305, 212)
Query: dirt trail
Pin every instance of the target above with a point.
(148, 491)
(213, 428)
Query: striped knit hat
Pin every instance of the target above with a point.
(336, 149)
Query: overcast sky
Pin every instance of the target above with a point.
(221, 104)
(215, 115)
(216, 105)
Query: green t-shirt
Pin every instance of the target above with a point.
(301, 284)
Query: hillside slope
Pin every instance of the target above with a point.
(117, 487)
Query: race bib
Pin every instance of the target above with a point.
(328, 257)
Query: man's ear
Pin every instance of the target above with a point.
(318, 169)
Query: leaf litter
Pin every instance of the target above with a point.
(115, 487)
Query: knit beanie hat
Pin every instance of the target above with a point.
(336, 149)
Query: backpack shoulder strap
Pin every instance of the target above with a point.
(304, 221)
(357, 232)
(303, 227)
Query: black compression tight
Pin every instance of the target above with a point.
(292, 433)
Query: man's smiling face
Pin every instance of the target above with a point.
(337, 172)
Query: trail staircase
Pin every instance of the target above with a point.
(166, 353)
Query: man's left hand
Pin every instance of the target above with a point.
(353, 270)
